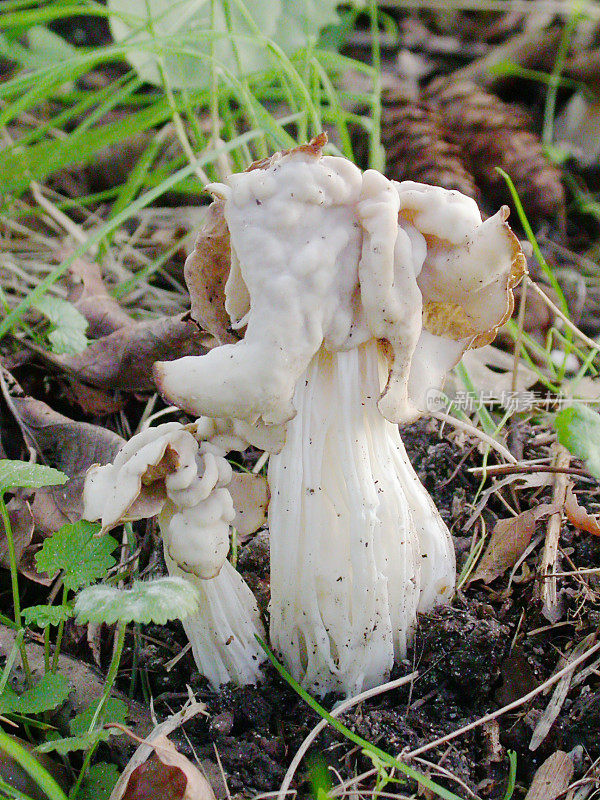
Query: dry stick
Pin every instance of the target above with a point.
(527, 469)
(63, 220)
(559, 695)
(473, 431)
(556, 310)
(351, 701)
(547, 592)
(505, 709)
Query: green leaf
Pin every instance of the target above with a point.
(71, 743)
(69, 326)
(75, 549)
(49, 692)
(159, 28)
(148, 601)
(43, 616)
(114, 710)
(15, 474)
(578, 429)
(99, 782)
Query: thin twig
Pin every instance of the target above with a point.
(547, 592)
(473, 431)
(556, 310)
(529, 469)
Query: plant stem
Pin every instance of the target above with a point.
(59, 635)
(14, 579)
(110, 679)
(47, 649)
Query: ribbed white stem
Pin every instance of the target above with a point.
(357, 545)
(224, 629)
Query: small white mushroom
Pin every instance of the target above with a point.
(165, 471)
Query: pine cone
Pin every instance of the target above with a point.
(490, 133)
(416, 150)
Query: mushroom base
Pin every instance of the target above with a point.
(357, 545)
(224, 629)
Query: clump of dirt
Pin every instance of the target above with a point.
(462, 650)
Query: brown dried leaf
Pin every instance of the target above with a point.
(123, 359)
(250, 495)
(166, 775)
(206, 272)
(67, 445)
(91, 298)
(552, 779)
(93, 402)
(509, 540)
(153, 780)
(579, 516)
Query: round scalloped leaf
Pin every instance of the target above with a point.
(147, 601)
(20, 474)
(180, 34)
(578, 428)
(43, 616)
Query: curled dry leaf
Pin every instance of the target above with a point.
(123, 359)
(579, 516)
(491, 371)
(166, 774)
(206, 272)
(90, 297)
(250, 495)
(508, 542)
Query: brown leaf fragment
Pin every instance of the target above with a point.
(250, 495)
(206, 272)
(93, 402)
(153, 780)
(552, 779)
(67, 445)
(22, 527)
(312, 148)
(123, 359)
(579, 516)
(91, 298)
(509, 540)
(165, 775)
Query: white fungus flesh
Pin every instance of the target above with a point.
(357, 545)
(355, 295)
(180, 474)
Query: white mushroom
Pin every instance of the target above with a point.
(166, 471)
(358, 295)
